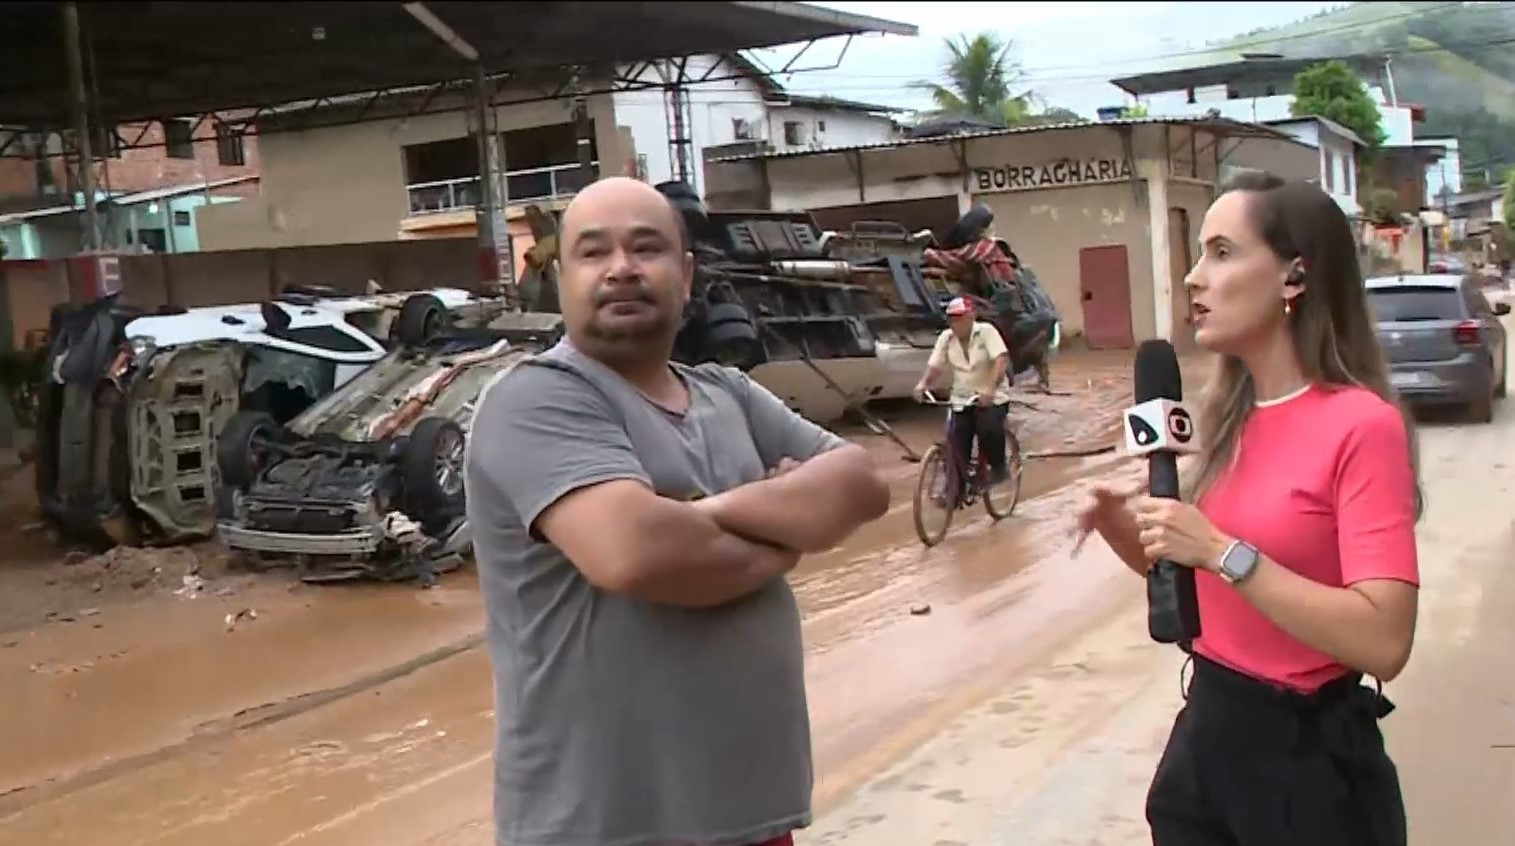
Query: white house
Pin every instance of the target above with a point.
(743, 105)
(1338, 148)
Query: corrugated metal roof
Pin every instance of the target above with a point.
(1237, 127)
(827, 101)
(181, 189)
(130, 199)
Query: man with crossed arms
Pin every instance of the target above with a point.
(633, 523)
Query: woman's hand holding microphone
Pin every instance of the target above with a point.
(1142, 529)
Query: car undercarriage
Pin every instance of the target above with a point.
(368, 482)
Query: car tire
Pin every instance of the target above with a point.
(238, 447)
(1499, 390)
(422, 316)
(431, 469)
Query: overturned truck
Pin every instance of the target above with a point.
(825, 328)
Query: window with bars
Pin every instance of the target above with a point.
(178, 139)
(229, 148)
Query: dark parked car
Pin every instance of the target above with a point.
(1443, 339)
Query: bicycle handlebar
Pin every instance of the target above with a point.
(929, 398)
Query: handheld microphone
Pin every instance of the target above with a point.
(1160, 428)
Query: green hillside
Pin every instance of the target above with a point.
(1457, 60)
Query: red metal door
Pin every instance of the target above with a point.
(1104, 282)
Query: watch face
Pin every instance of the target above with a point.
(1238, 563)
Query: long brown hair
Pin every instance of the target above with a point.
(1329, 322)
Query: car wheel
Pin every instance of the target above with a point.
(431, 469)
(240, 447)
(1499, 390)
(421, 317)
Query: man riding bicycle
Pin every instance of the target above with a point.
(978, 359)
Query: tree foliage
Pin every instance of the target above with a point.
(1453, 59)
(1332, 91)
(979, 81)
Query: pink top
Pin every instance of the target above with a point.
(1321, 484)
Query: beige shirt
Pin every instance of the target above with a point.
(972, 368)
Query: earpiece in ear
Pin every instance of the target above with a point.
(1296, 276)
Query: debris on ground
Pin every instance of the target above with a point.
(244, 614)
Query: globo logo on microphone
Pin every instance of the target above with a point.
(1180, 424)
(1160, 425)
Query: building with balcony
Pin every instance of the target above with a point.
(358, 169)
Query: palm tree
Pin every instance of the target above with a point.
(977, 78)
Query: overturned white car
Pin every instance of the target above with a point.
(368, 482)
(134, 403)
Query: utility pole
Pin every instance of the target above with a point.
(490, 215)
(75, 57)
(583, 132)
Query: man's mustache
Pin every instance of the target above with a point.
(624, 294)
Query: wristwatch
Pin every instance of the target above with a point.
(1238, 562)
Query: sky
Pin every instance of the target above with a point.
(1068, 50)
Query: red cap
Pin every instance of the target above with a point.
(959, 306)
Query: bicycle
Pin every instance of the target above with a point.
(937, 484)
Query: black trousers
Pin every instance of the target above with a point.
(986, 424)
(1249, 764)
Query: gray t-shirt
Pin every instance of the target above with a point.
(622, 722)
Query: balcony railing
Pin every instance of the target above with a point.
(524, 186)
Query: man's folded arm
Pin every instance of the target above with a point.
(812, 508)
(548, 442)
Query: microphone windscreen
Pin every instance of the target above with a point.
(1157, 375)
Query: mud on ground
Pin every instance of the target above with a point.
(43, 580)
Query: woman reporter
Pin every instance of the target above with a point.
(1299, 522)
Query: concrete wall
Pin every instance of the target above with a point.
(32, 288)
(828, 127)
(347, 184)
(1290, 160)
(1047, 229)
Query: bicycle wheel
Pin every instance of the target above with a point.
(1000, 500)
(933, 502)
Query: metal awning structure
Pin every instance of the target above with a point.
(148, 61)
